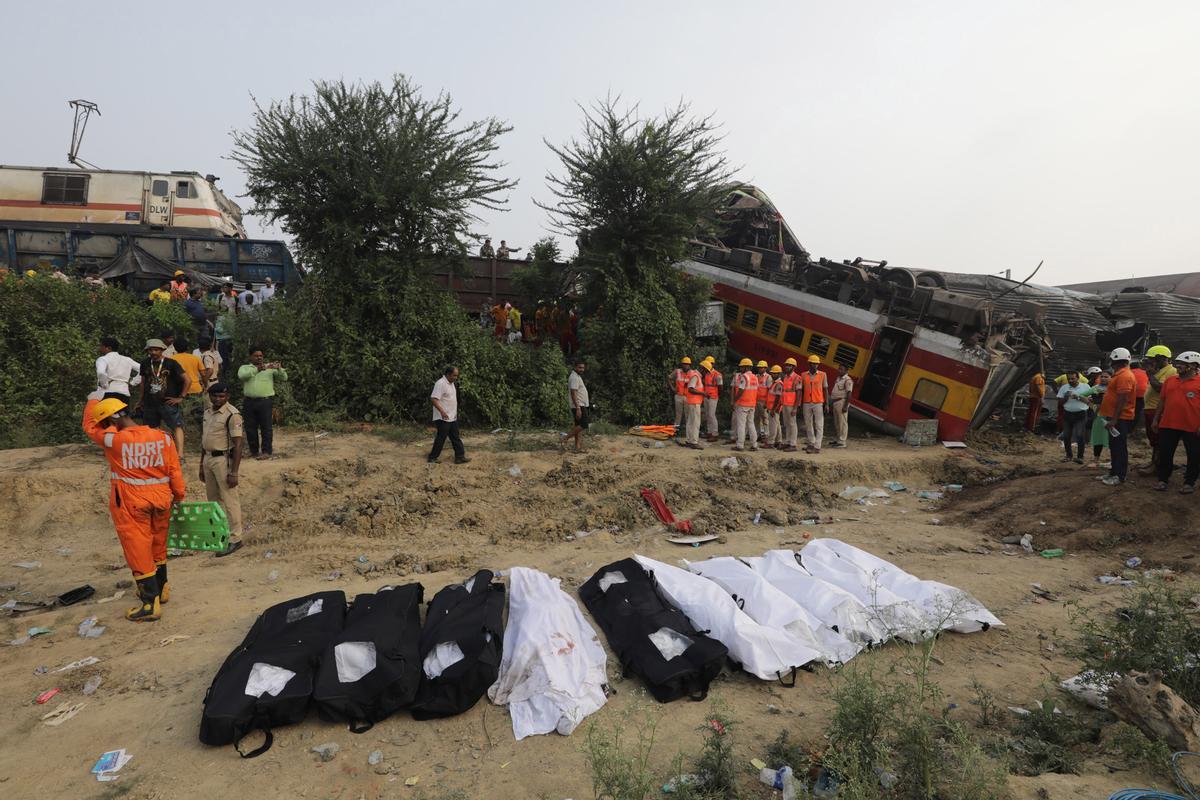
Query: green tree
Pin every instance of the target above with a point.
(544, 277)
(633, 191)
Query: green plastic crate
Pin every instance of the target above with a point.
(198, 526)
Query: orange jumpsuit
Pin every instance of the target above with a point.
(145, 477)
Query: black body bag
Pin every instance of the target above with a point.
(462, 643)
(640, 625)
(267, 681)
(373, 667)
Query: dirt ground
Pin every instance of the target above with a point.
(358, 511)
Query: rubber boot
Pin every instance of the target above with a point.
(164, 591)
(148, 610)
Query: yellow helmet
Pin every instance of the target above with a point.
(776, 368)
(791, 362)
(685, 360)
(745, 362)
(30, 273)
(814, 359)
(709, 359)
(1158, 350)
(761, 364)
(106, 408)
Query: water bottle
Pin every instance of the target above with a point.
(781, 778)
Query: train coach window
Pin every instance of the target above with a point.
(846, 356)
(731, 312)
(930, 394)
(818, 345)
(794, 336)
(68, 190)
(184, 190)
(158, 188)
(750, 319)
(770, 327)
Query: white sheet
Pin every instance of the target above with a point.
(442, 657)
(946, 606)
(769, 606)
(353, 660)
(836, 608)
(553, 672)
(766, 653)
(267, 679)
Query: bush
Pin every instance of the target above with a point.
(49, 332)
(620, 763)
(1044, 740)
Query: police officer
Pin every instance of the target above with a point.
(221, 460)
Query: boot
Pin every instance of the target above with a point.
(164, 591)
(148, 610)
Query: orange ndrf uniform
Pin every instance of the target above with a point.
(144, 479)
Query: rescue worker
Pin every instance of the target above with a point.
(839, 403)
(695, 397)
(145, 481)
(678, 386)
(1158, 359)
(814, 404)
(1177, 419)
(713, 381)
(221, 459)
(1143, 386)
(1037, 388)
(774, 407)
(790, 398)
(1117, 410)
(745, 400)
(179, 287)
(760, 408)
(486, 250)
(500, 318)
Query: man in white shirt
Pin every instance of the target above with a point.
(445, 417)
(115, 373)
(247, 296)
(577, 396)
(266, 292)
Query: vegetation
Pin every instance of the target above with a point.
(543, 277)
(618, 754)
(1045, 740)
(632, 191)
(49, 334)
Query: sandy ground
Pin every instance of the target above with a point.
(358, 511)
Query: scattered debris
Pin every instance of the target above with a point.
(926, 494)
(413, 781)
(693, 541)
(326, 752)
(1133, 563)
(1027, 543)
(1114, 580)
(681, 781)
(731, 463)
(1043, 593)
(93, 683)
(956, 446)
(333, 576)
(109, 764)
(895, 486)
(514, 471)
(659, 506)
(28, 564)
(76, 595)
(952, 487)
(375, 758)
(88, 629)
(1092, 693)
(854, 492)
(74, 665)
(63, 713)
(178, 637)
(1054, 552)
(45, 696)
(38, 631)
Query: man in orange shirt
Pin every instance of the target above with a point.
(1143, 385)
(1178, 420)
(1037, 388)
(713, 381)
(677, 385)
(791, 402)
(145, 481)
(1118, 410)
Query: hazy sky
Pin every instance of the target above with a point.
(966, 136)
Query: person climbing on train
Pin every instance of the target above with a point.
(145, 481)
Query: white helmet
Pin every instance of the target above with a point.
(1189, 357)
(1120, 354)
(1093, 371)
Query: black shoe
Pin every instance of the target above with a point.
(432, 460)
(463, 460)
(230, 549)
(148, 608)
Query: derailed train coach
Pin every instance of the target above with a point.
(915, 349)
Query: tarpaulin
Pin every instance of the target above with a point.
(659, 505)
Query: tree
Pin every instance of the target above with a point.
(633, 191)
(357, 171)
(544, 277)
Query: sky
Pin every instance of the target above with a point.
(936, 134)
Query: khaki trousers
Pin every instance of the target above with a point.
(760, 418)
(680, 406)
(692, 415)
(789, 426)
(773, 432)
(841, 422)
(743, 425)
(814, 424)
(215, 488)
(710, 417)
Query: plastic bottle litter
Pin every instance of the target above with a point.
(925, 494)
(17, 642)
(327, 751)
(37, 631)
(1113, 580)
(375, 757)
(28, 564)
(952, 487)
(854, 492)
(679, 781)
(1133, 563)
(89, 630)
(895, 486)
(93, 683)
(514, 471)
(1027, 543)
(781, 778)
(757, 517)
(1054, 552)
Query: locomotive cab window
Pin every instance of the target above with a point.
(928, 397)
(184, 190)
(770, 327)
(69, 190)
(750, 319)
(793, 336)
(158, 188)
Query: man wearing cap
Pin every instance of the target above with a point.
(713, 381)
(695, 398)
(1158, 369)
(790, 395)
(221, 459)
(179, 287)
(144, 482)
(814, 406)
(764, 390)
(745, 400)
(839, 402)
(1118, 409)
(164, 385)
(678, 387)
(774, 407)
(258, 393)
(1177, 419)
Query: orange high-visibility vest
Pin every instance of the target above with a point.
(712, 387)
(681, 377)
(748, 382)
(814, 387)
(764, 386)
(694, 381)
(790, 384)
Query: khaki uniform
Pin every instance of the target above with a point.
(839, 396)
(211, 361)
(221, 427)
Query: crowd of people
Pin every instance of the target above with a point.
(556, 321)
(1105, 407)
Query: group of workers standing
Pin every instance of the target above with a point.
(766, 402)
(1162, 392)
(557, 321)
